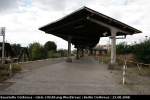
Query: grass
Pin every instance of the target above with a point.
(16, 68)
(5, 72)
(145, 71)
(103, 59)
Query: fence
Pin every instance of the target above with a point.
(105, 59)
(139, 67)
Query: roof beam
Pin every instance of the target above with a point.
(74, 36)
(107, 25)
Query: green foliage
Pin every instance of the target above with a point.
(4, 70)
(50, 46)
(37, 51)
(105, 59)
(123, 48)
(16, 48)
(53, 54)
(4, 73)
(8, 50)
(142, 51)
(62, 52)
(16, 68)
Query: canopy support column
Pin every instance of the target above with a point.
(77, 55)
(113, 48)
(69, 59)
(94, 52)
(91, 52)
(82, 52)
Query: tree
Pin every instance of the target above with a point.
(8, 50)
(123, 48)
(62, 52)
(50, 46)
(16, 48)
(142, 51)
(37, 51)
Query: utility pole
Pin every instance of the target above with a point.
(3, 45)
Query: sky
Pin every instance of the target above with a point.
(22, 18)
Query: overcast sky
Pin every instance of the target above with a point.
(22, 18)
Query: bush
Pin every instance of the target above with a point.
(16, 48)
(16, 68)
(53, 54)
(50, 46)
(142, 51)
(123, 48)
(4, 70)
(37, 51)
(62, 52)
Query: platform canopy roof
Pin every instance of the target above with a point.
(85, 27)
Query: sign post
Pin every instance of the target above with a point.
(2, 33)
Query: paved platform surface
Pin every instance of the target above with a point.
(84, 76)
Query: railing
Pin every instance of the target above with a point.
(139, 66)
(124, 64)
(9, 60)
